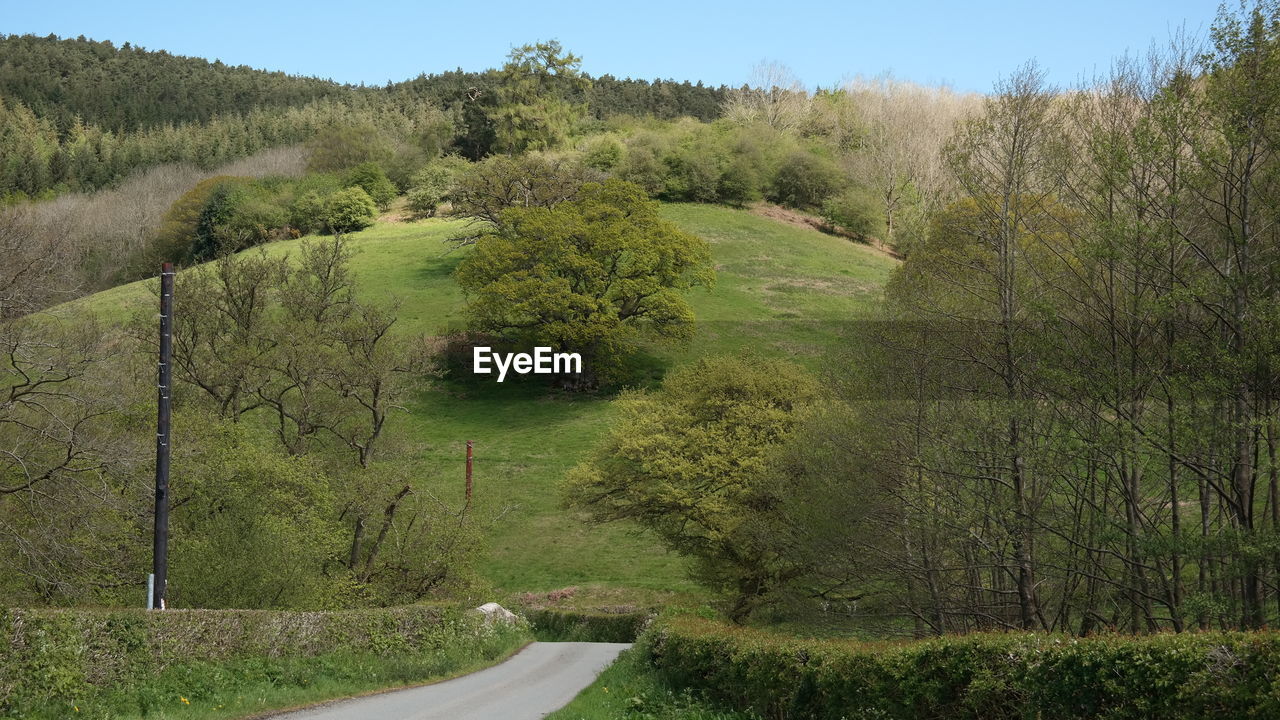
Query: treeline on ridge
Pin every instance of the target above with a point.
(76, 114)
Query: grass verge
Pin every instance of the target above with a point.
(120, 664)
(631, 690)
(255, 689)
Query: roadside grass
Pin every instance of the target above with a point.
(260, 686)
(631, 690)
(781, 290)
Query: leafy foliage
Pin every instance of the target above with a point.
(123, 663)
(349, 210)
(587, 275)
(538, 98)
(433, 184)
(485, 190)
(555, 625)
(988, 676)
(252, 528)
(371, 178)
(690, 463)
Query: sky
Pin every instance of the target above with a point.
(966, 45)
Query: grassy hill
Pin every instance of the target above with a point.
(780, 290)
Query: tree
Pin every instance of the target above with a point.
(58, 397)
(433, 184)
(775, 97)
(804, 180)
(215, 227)
(540, 98)
(347, 146)
(690, 462)
(371, 178)
(898, 153)
(251, 528)
(587, 275)
(998, 161)
(287, 343)
(349, 210)
(176, 239)
(487, 189)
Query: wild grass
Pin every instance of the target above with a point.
(630, 689)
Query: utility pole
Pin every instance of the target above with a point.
(468, 504)
(164, 416)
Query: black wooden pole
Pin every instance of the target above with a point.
(160, 557)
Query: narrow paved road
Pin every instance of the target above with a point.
(538, 680)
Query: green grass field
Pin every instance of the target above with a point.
(780, 290)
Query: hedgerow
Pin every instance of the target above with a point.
(987, 676)
(579, 626)
(106, 663)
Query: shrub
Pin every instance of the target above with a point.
(552, 625)
(349, 210)
(113, 663)
(256, 529)
(602, 153)
(307, 212)
(342, 147)
(175, 237)
(433, 184)
(642, 165)
(988, 676)
(693, 174)
(373, 180)
(804, 180)
(216, 230)
(856, 211)
(739, 182)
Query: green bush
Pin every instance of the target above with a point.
(987, 676)
(549, 624)
(306, 213)
(349, 210)
(739, 182)
(804, 180)
(433, 183)
(256, 529)
(107, 663)
(642, 163)
(603, 152)
(693, 175)
(856, 210)
(371, 178)
(345, 146)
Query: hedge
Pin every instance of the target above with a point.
(52, 659)
(987, 676)
(571, 625)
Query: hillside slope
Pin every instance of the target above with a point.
(780, 290)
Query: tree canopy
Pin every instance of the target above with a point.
(587, 275)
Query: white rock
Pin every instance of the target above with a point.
(493, 612)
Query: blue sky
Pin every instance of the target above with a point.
(967, 45)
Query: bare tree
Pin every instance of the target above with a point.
(904, 127)
(774, 96)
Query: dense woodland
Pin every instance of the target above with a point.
(1066, 415)
(76, 114)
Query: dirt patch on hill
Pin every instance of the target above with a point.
(804, 220)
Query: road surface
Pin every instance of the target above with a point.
(538, 680)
